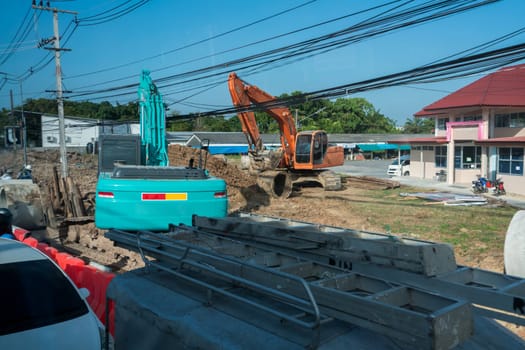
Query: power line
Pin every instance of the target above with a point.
(20, 35)
(99, 19)
(375, 25)
(94, 17)
(448, 70)
(196, 42)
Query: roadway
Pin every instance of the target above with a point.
(374, 168)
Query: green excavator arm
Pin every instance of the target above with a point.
(152, 123)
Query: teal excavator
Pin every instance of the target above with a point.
(137, 189)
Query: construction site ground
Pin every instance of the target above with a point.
(476, 232)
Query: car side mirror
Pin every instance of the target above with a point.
(84, 293)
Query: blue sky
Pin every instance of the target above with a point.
(175, 37)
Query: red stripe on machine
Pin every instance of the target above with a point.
(153, 196)
(164, 196)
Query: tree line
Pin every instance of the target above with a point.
(342, 116)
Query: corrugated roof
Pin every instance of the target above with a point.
(240, 138)
(503, 88)
(417, 140)
(515, 139)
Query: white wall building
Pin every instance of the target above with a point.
(80, 132)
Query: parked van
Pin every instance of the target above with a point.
(400, 167)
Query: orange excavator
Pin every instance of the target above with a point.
(302, 157)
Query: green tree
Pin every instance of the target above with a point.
(418, 126)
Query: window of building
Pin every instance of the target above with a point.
(467, 157)
(510, 120)
(442, 123)
(469, 118)
(510, 160)
(441, 156)
(428, 148)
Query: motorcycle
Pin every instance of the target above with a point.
(498, 188)
(480, 185)
(483, 185)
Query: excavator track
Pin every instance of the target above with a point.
(279, 184)
(331, 181)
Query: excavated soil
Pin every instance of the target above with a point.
(84, 240)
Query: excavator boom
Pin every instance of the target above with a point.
(243, 95)
(152, 123)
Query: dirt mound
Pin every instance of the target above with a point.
(243, 192)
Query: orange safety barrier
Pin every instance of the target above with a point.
(84, 276)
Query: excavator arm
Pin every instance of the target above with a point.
(244, 95)
(152, 123)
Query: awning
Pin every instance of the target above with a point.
(227, 149)
(501, 140)
(376, 147)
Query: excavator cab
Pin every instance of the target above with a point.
(311, 150)
(311, 147)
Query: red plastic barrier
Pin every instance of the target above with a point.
(50, 251)
(20, 233)
(31, 242)
(60, 259)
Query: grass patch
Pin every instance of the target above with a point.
(472, 230)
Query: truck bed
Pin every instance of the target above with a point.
(177, 316)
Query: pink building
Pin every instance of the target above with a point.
(479, 130)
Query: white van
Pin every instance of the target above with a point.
(400, 167)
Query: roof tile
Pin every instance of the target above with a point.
(503, 88)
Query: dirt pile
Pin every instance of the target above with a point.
(243, 193)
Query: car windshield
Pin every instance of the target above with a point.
(36, 294)
(396, 161)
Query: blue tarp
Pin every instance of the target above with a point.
(365, 147)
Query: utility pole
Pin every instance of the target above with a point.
(24, 126)
(12, 113)
(60, 99)
(23, 118)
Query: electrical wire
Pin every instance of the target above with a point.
(19, 37)
(94, 17)
(108, 18)
(323, 42)
(452, 69)
(197, 42)
(49, 57)
(247, 45)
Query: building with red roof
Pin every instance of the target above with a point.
(479, 130)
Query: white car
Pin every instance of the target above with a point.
(40, 307)
(399, 167)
